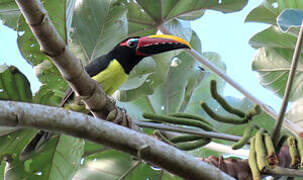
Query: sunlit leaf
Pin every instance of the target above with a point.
(273, 66)
(274, 38)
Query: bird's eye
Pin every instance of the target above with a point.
(132, 43)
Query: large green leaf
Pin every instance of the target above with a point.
(97, 27)
(273, 66)
(272, 61)
(59, 158)
(269, 10)
(274, 38)
(144, 17)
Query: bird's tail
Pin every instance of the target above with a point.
(34, 145)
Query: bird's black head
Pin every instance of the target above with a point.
(132, 50)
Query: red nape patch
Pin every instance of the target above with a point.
(301, 134)
(124, 43)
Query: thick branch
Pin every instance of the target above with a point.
(68, 64)
(80, 125)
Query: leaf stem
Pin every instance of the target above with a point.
(199, 132)
(291, 76)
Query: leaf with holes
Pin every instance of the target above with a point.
(269, 10)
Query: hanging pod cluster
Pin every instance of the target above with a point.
(189, 142)
(183, 142)
(262, 154)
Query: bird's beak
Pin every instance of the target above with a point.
(154, 44)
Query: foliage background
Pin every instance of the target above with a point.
(219, 33)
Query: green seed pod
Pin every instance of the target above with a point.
(261, 151)
(181, 121)
(222, 102)
(252, 160)
(293, 152)
(185, 138)
(193, 145)
(271, 153)
(300, 149)
(245, 136)
(190, 116)
(219, 118)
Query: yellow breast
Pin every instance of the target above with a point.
(112, 77)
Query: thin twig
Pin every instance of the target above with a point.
(188, 131)
(291, 76)
(267, 109)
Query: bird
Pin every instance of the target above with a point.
(111, 70)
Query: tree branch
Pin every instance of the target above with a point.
(267, 109)
(68, 64)
(290, 80)
(19, 114)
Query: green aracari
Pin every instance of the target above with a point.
(111, 71)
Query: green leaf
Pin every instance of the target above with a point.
(274, 38)
(144, 17)
(273, 66)
(97, 27)
(269, 10)
(14, 85)
(53, 85)
(58, 159)
(9, 13)
(111, 164)
(14, 142)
